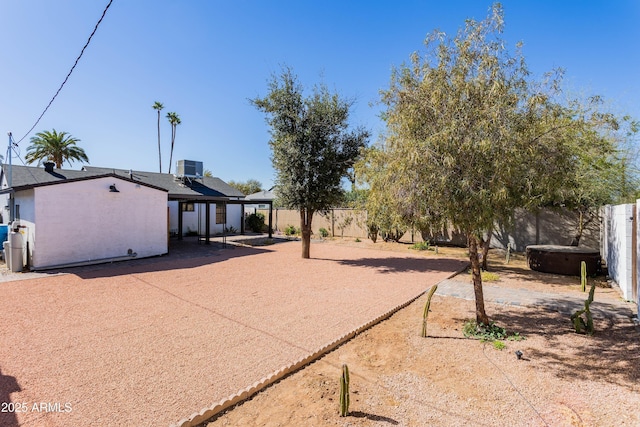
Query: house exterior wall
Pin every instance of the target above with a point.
(196, 219)
(83, 221)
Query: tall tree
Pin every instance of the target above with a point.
(57, 147)
(174, 120)
(313, 148)
(470, 136)
(158, 106)
(246, 187)
(605, 168)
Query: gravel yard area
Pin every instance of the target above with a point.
(401, 379)
(148, 343)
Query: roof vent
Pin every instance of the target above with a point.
(48, 166)
(189, 169)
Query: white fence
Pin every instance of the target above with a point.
(619, 247)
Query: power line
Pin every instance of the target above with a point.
(70, 71)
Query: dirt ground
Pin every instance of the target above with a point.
(401, 379)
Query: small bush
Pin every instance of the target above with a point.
(290, 230)
(255, 222)
(324, 233)
(421, 246)
(490, 332)
(358, 240)
(488, 276)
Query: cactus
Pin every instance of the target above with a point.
(578, 322)
(425, 314)
(344, 391)
(508, 251)
(583, 275)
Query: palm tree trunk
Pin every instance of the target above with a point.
(159, 153)
(173, 138)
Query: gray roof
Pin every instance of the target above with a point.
(262, 195)
(207, 188)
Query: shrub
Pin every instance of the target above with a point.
(490, 332)
(255, 222)
(324, 233)
(421, 246)
(290, 230)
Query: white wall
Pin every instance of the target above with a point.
(25, 201)
(618, 234)
(190, 219)
(637, 208)
(82, 221)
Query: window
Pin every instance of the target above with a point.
(221, 214)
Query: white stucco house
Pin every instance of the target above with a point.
(93, 215)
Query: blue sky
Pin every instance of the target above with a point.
(205, 58)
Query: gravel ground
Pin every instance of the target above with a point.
(401, 379)
(150, 342)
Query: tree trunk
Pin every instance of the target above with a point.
(159, 152)
(580, 229)
(481, 315)
(306, 215)
(173, 138)
(485, 248)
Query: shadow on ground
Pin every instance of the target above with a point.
(404, 264)
(609, 356)
(182, 254)
(9, 385)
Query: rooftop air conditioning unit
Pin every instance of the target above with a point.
(189, 169)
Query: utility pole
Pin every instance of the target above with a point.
(12, 201)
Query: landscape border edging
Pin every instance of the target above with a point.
(205, 414)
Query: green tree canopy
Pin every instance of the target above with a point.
(313, 148)
(470, 137)
(604, 167)
(246, 187)
(56, 147)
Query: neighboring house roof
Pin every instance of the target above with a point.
(262, 195)
(204, 188)
(27, 177)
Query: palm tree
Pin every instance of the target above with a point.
(174, 119)
(158, 106)
(55, 147)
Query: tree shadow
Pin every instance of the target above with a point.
(609, 356)
(8, 385)
(403, 264)
(373, 417)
